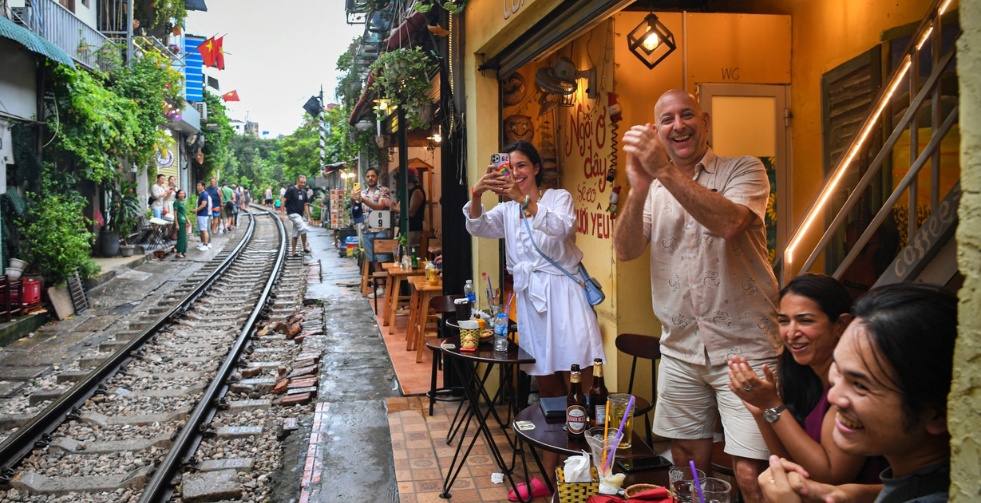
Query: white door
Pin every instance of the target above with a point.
(753, 120)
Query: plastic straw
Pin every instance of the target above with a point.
(606, 431)
(698, 483)
(490, 289)
(623, 421)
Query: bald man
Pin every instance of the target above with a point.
(713, 288)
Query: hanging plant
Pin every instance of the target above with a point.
(402, 76)
(451, 6)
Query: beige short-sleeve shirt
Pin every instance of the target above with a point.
(715, 298)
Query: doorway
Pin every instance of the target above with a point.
(748, 119)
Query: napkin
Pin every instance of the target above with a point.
(577, 469)
(659, 495)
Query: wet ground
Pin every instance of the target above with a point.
(356, 372)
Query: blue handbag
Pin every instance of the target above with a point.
(594, 292)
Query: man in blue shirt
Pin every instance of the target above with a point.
(215, 194)
(203, 212)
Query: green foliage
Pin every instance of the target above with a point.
(217, 141)
(108, 117)
(402, 76)
(451, 6)
(55, 233)
(315, 210)
(300, 151)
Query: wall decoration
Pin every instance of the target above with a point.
(518, 127)
(514, 89)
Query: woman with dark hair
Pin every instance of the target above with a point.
(792, 411)
(180, 219)
(889, 383)
(557, 325)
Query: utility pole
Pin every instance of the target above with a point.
(323, 132)
(129, 33)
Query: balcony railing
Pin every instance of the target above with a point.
(61, 27)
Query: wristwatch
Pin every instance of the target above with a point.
(773, 413)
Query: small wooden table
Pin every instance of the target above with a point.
(422, 293)
(396, 274)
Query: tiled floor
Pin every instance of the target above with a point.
(422, 456)
(414, 378)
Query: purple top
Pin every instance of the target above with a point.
(873, 466)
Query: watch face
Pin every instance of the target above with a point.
(771, 415)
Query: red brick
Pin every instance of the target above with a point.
(303, 382)
(302, 371)
(250, 372)
(281, 387)
(281, 371)
(300, 399)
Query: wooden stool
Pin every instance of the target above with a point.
(443, 306)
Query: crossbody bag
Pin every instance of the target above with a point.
(594, 292)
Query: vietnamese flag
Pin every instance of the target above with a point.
(219, 53)
(230, 96)
(207, 50)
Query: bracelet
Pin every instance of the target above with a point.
(474, 195)
(524, 205)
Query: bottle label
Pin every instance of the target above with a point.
(601, 415)
(575, 419)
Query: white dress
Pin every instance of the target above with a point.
(555, 322)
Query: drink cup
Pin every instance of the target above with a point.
(594, 437)
(462, 309)
(683, 483)
(715, 490)
(618, 404)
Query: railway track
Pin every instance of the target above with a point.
(181, 406)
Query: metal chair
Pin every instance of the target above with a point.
(649, 348)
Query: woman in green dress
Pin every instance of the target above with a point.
(180, 213)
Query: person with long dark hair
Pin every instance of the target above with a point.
(792, 410)
(557, 325)
(890, 379)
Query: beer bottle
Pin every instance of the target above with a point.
(575, 408)
(597, 396)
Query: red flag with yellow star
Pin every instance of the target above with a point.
(230, 96)
(219, 53)
(207, 50)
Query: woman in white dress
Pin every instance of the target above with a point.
(555, 322)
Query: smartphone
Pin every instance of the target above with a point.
(640, 464)
(356, 187)
(502, 162)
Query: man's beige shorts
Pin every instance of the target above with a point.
(690, 398)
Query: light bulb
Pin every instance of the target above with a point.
(437, 138)
(651, 41)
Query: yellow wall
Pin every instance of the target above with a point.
(964, 406)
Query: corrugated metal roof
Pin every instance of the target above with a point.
(33, 42)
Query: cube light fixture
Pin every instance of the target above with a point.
(651, 41)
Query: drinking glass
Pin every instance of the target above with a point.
(618, 405)
(683, 483)
(715, 490)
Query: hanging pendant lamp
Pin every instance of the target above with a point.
(651, 41)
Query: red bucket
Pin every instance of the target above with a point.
(30, 291)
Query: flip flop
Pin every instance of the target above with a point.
(538, 490)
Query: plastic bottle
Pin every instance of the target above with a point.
(501, 332)
(575, 408)
(598, 395)
(468, 291)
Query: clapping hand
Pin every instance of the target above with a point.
(756, 393)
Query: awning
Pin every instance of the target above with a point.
(359, 106)
(196, 5)
(401, 35)
(33, 42)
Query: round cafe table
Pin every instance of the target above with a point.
(552, 437)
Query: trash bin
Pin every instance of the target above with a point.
(31, 291)
(351, 244)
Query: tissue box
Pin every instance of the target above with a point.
(576, 492)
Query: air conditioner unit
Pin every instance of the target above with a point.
(202, 109)
(14, 4)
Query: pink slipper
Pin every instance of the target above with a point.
(538, 490)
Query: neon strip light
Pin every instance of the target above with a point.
(843, 167)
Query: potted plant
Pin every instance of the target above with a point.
(402, 75)
(124, 209)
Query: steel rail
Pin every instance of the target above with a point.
(159, 487)
(37, 432)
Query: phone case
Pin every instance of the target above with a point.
(502, 162)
